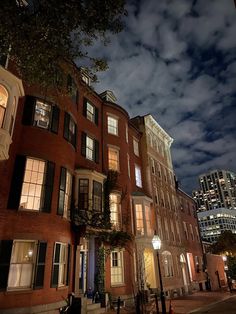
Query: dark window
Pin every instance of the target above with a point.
(70, 129)
(40, 113)
(97, 196)
(40, 265)
(72, 89)
(83, 194)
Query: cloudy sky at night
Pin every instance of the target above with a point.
(177, 61)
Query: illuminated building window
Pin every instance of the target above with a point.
(3, 104)
(139, 219)
(138, 176)
(117, 268)
(113, 159)
(22, 265)
(115, 210)
(112, 125)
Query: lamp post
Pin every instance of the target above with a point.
(156, 243)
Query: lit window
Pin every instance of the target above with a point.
(60, 261)
(42, 114)
(115, 210)
(90, 111)
(136, 148)
(113, 159)
(168, 264)
(139, 219)
(148, 220)
(138, 176)
(22, 265)
(117, 271)
(112, 125)
(65, 193)
(3, 104)
(31, 193)
(89, 148)
(97, 196)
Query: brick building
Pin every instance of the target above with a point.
(57, 151)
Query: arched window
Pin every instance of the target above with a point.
(3, 103)
(168, 264)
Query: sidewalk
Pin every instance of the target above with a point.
(190, 303)
(197, 300)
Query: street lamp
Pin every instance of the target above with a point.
(156, 243)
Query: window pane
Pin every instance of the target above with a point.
(113, 159)
(22, 262)
(117, 272)
(89, 148)
(138, 177)
(112, 124)
(32, 184)
(139, 219)
(3, 103)
(42, 114)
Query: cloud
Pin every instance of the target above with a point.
(176, 60)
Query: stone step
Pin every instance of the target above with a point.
(95, 308)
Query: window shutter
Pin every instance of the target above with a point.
(48, 187)
(85, 108)
(83, 144)
(74, 137)
(96, 115)
(5, 258)
(60, 209)
(66, 125)
(55, 266)
(40, 265)
(16, 183)
(96, 151)
(28, 112)
(68, 265)
(55, 119)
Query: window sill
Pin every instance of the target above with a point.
(118, 285)
(19, 291)
(61, 287)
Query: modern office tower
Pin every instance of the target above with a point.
(216, 202)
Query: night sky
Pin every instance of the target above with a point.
(177, 60)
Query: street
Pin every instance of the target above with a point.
(226, 306)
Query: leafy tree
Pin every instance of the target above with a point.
(41, 35)
(225, 243)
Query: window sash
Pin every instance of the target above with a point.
(113, 159)
(97, 196)
(112, 125)
(90, 112)
(89, 148)
(83, 194)
(115, 210)
(139, 219)
(117, 270)
(138, 176)
(33, 183)
(22, 265)
(42, 114)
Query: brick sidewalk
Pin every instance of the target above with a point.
(187, 304)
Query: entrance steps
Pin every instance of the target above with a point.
(94, 308)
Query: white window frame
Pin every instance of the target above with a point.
(89, 148)
(68, 193)
(62, 264)
(32, 263)
(112, 125)
(138, 176)
(136, 146)
(111, 161)
(117, 268)
(31, 180)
